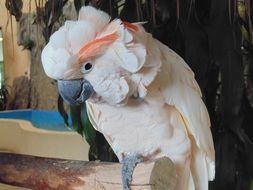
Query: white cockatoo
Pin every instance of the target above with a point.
(139, 94)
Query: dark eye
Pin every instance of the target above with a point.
(87, 67)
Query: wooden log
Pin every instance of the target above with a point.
(41, 173)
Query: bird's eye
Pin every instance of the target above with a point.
(87, 67)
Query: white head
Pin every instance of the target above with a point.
(94, 53)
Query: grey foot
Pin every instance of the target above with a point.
(128, 165)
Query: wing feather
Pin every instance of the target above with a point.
(181, 90)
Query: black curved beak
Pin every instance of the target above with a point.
(75, 92)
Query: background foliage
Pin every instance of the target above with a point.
(215, 38)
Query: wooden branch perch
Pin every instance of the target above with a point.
(40, 173)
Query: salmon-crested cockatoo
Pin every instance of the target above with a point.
(139, 94)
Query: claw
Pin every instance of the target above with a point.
(128, 164)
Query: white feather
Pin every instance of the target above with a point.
(58, 39)
(55, 61)
(126, 58)
(97, 18)
(78, 35)
(107, 79)
(181, 90)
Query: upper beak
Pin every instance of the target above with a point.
(75, 92)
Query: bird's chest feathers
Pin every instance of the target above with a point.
(141, 119)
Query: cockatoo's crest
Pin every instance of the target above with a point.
(97, 18)
(132, 57)
(127, 49)
(131, 26)
(94, 47)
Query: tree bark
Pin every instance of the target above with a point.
(41, 173)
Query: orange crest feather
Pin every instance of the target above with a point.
(130, 26)
(93, 47)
